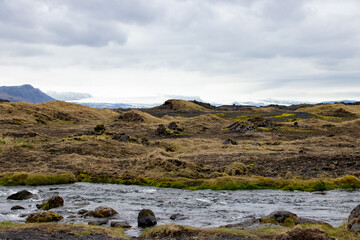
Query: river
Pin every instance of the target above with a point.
(202, 208)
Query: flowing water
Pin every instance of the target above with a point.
(202, 208)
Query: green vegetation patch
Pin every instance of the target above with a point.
(220, 114)
(35, 179)
(284, 115)
(233, 182)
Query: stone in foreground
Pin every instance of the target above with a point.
(146, 218)
(53, 202)
(103, 212)
(304, 233)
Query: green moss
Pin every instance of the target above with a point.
(220, 114)
(35, 179)
(2, 142)
(284, 115)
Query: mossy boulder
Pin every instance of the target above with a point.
(304, 233)
(21, 195)
(103, 212)
(146, 218)
(53, 202)
(41, 217)
(354, 220)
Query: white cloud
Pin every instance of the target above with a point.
(218, 50)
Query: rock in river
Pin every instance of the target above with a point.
(43, 217)
(17, 207)
(103, 212)
(22, 195)
(354, 220)
(146, 218)
(53, 202)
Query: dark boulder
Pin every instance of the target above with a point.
(99, 128)
(301, 220)
(43, 217)
(53, 202)
(241, 128)
(146, 218)
(82, 211)
(355, 213)
(173, 126)
(161, 130)
(98, 222)
(230, 141)
(17, 207)
(22, 195)
(120, 224)
(103, 212)
(304, 234)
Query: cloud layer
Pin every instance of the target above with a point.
(218, 50)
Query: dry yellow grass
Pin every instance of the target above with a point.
(318, 109)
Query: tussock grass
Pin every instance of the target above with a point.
(35, 179)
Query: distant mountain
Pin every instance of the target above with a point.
(68, 96)
(24, 93)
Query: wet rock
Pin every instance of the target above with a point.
(103, 212)
(17, 207)
(304, 233)
(178, 216)
(82, 211)
(43, 217)
(230, 141)
(53, 202)
(98, 222)
(281, 216)
(22, 195)
(146, 218)
(120, 224)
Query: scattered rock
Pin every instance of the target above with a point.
(173, 126)
(121, 137)
(98, 222)
(43, 217)
(22, 195)
(17, 207)
(161, 130)
(301, 220)
(120, 224)
(331, 135)
(304, 233)
(99, 128)
(256, 144)
(103, 212)
(281, 216)
(260, 122)
(296, 124)
(53, 202)
(82, 211)
(230, 141)
(178, 216)
(146, 218)
(241, 128)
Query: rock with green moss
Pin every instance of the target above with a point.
(103, 212)
(146, 218)
(53, 202)
(354, 220)
(41, 217)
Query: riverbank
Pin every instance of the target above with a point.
(220, 183)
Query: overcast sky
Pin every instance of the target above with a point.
(220, 51)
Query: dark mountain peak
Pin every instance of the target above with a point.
(24, 93)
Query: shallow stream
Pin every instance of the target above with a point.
(202, 208)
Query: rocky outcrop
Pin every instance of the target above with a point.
(304, 233)
(22, 195)
(40, 217)
(53, 202)
(146, 218)
(240, 128)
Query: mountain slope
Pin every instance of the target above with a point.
(24, 93)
